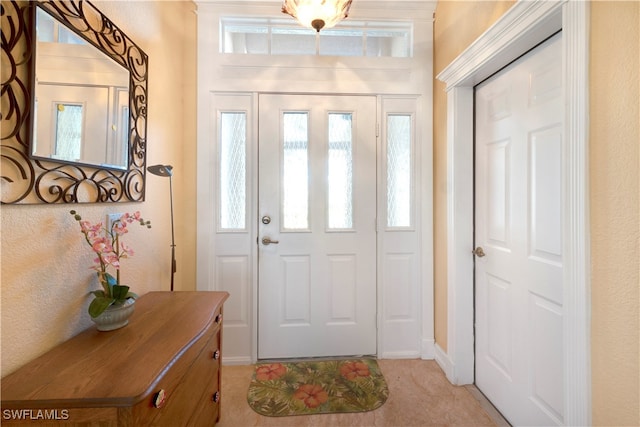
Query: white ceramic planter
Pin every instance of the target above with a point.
(115, 317)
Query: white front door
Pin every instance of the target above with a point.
(316, 232)
(518, 236)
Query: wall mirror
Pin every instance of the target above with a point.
(74, 87)
(81, 99)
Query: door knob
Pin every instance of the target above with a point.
(479, 252)
(268, 241)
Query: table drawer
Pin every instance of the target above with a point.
(187, 389)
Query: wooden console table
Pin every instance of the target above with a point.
(162, 369)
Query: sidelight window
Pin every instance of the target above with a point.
(399, 170)
(233, 170)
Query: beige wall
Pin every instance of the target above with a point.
(45, 276)
(614, 191)
(614, 164)
(457, 25)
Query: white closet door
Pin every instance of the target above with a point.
(519, 287)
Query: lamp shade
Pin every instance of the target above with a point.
(317, 14)
(161, 170)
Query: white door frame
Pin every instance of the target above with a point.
(220, 73)
(521, 28)
(227, 259)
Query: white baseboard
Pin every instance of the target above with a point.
(428, 349)
(399, 355)
(236, 360)
(445, 363)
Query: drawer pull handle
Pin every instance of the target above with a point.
(160, 399)
(216, 355)
(219, 318)
(216, 397)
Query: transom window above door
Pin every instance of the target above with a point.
(268, 36)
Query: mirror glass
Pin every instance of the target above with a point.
(75, 128)
(81, 100)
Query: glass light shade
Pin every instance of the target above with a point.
(317, 14)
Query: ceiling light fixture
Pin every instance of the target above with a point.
(317, 14)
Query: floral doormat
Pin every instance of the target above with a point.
(317, 387)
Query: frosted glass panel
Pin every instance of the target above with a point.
(340, 172)
(390, 41)
(341, 43)
(272, 36)
(233, 142)
(248, 37)
(295, 174)
(399, 172)
(68, 131)
(293, 41)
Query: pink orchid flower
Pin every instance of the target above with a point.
(107, 245)
(126, 251)
(101, 246)
(120, 228)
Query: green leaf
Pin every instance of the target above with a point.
(119, 292)
(99, 305)
(98, 293)
(132, 295)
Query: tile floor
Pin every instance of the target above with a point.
(419, 395)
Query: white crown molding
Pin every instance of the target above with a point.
(519, 30)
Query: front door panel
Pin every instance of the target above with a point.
(317, 239)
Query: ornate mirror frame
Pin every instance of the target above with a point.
(27, 180)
